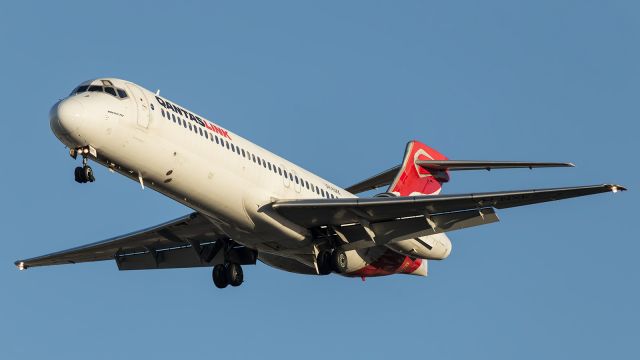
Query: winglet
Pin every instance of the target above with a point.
(20, 264)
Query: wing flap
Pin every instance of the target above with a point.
(408, 228)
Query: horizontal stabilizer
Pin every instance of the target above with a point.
(386, 177)
(450, 165)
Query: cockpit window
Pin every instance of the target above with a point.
(97, 88)
(79, 89)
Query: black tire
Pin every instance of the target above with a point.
(324, 262)
(235, 277)
(219, 276)
(339, 261)
(78, 174)
(87, 171)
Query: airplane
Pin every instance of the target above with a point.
(250, 204)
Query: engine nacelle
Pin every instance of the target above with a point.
(432, 247)
(376, 261)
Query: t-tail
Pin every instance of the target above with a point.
(424, 170)
(413, 179)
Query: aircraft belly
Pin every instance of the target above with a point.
(286, 264)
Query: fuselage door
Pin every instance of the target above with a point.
(142, 105)
(296, 182)
(285, 177)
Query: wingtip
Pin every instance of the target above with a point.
(20, 265)
(615, 188)
(570, 164)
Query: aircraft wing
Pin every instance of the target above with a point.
(430, 211)
(188, 241)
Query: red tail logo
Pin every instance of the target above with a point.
(413, 179)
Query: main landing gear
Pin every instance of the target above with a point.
(332, 260)
(227, 274)
(83, 174)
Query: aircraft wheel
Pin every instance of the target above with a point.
(78, 174)
(87, 171)
(219, 276)
(324, 262)
(234, 274)
(339, 261)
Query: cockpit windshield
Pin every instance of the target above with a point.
(113, 91)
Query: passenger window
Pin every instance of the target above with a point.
(217, 142)
(184, 122)
(233, 148)
(269, 164)
(285, 173)
(290, 176)
(279, 171)
(200, 131)
(162, 111)
(253, 157)
(122, 93)
(227, 144)
(243, 154)
(190, 127)
(206, 135)
(297, 180)
(110, 90)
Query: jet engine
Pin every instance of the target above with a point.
(432, 247)
(376, 261)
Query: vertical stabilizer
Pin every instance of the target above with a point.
(412, 179)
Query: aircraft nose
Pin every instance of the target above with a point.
(66, 116)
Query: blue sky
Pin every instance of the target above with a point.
(339, 88)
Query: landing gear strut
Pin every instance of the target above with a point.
(227, 274)
(83, 174)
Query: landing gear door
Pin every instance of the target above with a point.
(142, 105)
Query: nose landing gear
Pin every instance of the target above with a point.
(83, 174)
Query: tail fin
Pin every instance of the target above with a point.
(413, 179)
